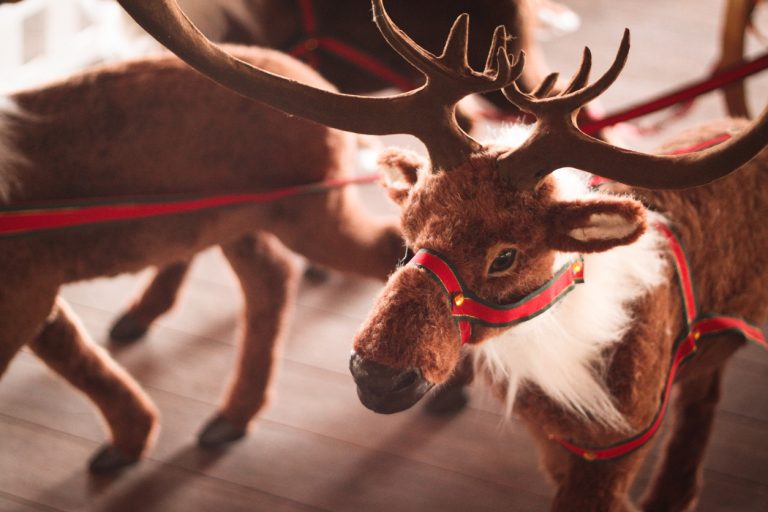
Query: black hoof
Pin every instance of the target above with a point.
(219, 432)
(316, 275)
(447, 401)
(127, 329)
(109, 460)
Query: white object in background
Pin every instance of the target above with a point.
(554, 19)
(42, 40)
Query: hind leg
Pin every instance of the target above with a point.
(678, 478)
(65, 347)
(451, 397)
(158, 297)
(24, 306)
(268, 276)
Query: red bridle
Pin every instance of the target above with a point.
(467, 308)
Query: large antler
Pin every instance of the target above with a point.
(557, 142)
(427, 112)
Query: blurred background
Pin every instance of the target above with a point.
(315, 447)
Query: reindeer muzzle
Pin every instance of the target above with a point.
(384, 389)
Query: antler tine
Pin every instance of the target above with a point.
(546, 85)
(571, 100)
(450, 72)
(581, 97)
(557, 142)
(670, 172)
(408, 49)
(581, 77)
(456, 46)
(427, 113)
(498, 42)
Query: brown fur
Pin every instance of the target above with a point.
(467, 213)
(154, 127)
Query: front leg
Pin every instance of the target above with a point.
(678, 478)
(66, 348)
(268, 275)
(594, 486)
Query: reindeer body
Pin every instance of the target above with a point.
(153, 128)
(725, 242)
(585, 371)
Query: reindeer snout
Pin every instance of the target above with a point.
(384, 389)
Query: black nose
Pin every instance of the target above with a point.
(384, 389)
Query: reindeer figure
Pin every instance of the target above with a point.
(372, 66)
(566, 297)
(151, 128)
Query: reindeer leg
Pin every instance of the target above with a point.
(678, 477)
(23, 310)
(158, 297)
(582, 485)
(268, 276)
(451, 397)
(130, 414)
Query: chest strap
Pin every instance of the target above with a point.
(698, 328)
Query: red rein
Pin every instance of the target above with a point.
(31, 219)
(312, 43)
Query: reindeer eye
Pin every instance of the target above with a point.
(503, 261)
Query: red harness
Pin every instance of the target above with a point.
(467, 309)
(698, 326)
(313, 42)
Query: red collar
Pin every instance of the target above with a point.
(467, 308)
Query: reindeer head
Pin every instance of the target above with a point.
(492, 215)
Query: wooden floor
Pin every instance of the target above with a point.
(315, 447)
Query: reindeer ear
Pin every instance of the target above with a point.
(399, 171)
(595, 226)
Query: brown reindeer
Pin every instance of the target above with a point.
(153, 128)
(492, 225)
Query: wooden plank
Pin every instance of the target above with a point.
(45, 466)
(9, 503)
(276, 456)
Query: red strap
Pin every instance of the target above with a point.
(696, 329)
(307, 48)
(682, 94)
(309, 24)
(683, 272)
(31, 219)
(468, 309)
